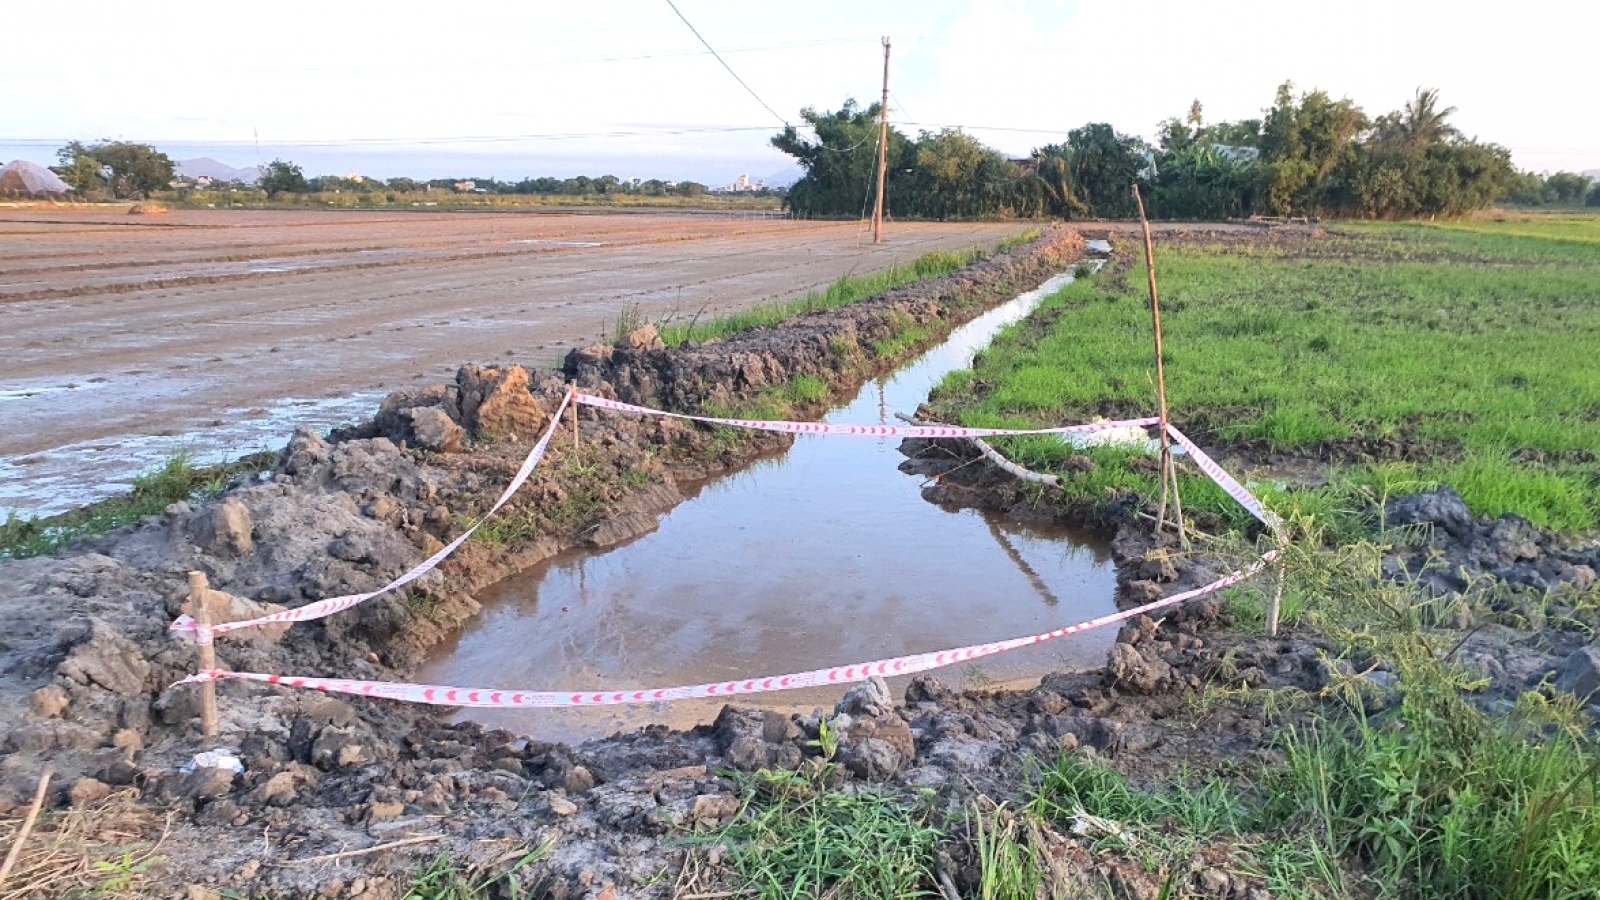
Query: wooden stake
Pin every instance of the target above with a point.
(27, 826)
(1275, 608)
(201, 610)
(573, 387)
(1167, 470)
(1177, 506)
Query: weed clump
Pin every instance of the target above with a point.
(176, 479)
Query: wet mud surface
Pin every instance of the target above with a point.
(123, 340)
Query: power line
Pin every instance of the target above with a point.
(494, 63)
(725, 63)
(898, 105)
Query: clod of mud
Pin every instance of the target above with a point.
(1457, 551)
(487, 403)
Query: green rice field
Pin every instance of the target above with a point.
(1465, 353)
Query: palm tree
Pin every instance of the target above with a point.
(1422, 123)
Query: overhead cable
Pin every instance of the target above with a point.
(725, 63)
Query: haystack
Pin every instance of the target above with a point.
(20, 178)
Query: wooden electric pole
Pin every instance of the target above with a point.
(883, 149)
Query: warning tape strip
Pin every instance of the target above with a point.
(902, 665)
(1205, 462)
(1228, 483)
(902, 431)
(324, 608)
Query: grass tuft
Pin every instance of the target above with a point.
(176, 479)
(865, 845)
(847, 290)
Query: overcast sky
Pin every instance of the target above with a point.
(374, 88)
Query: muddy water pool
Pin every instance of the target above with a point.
(824, 555)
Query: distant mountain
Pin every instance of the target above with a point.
(220, 171)
(784, 177)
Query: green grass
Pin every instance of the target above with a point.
(1428, 798)
(582, 484)
(847, 290)
(866, 845)
(1468, 346)
(176, 479)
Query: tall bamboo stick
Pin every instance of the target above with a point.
(1168, 472)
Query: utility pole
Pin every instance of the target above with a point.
(883, 149)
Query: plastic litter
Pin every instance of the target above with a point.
(214, 759)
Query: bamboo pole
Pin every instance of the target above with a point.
(1168, 473)
(201, 610)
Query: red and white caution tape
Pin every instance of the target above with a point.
(324, 608)
(900, 431)
(901, 665)
(332, 606)
(1228, 483)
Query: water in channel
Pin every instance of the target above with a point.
(825, 555)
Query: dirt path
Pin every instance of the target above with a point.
(112, 325)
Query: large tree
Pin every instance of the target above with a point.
(135, 170)
(1104, 167)
(841, 161)
(1422, 122)
(960, 177)
(282, 176)
(1304, 141)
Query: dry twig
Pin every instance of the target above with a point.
(334, 857)
(27, 826)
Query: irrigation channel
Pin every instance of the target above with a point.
(826, 554)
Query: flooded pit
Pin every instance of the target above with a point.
(824, 555)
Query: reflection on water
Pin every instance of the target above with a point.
(824, 555)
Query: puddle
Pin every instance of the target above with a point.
(824, 555)
(67, 477)
(28, 391)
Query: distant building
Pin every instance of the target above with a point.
(466, 187)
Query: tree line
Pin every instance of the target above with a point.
(128, 170)
(1307, 155)
(284, 177)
